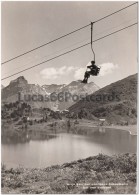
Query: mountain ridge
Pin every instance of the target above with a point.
(122, 108)
(10, 92)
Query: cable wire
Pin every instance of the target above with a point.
(115, 12)
(46, 44)
(69, 47)
(68, 34)
(70, 51)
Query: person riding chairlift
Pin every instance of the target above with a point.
(93, 70)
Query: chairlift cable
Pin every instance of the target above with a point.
(70, 51)
(67, 34)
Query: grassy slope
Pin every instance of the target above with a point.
(114, 111)
(67, 177)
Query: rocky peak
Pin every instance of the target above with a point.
(19, 81)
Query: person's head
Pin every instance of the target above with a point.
(92, 62)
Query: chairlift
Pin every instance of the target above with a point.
(92, 70)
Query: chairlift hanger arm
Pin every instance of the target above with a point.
(92, 23)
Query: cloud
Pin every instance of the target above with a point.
(79, 74)
(107, 68)
(54, 73)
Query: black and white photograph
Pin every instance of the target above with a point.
(69, 73)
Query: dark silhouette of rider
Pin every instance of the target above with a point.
(92, 71)
(92, 66)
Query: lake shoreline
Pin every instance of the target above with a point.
(132, 129)
(81, 176)
(60, 126)
(89, 125)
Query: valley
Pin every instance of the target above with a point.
(61, 135)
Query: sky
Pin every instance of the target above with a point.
(26, 25)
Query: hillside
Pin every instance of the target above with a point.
(11, 92)
(117, 102)
(99, 174)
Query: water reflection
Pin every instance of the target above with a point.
(116, 141)
(102, 129)
(38, 149)
(24, 137)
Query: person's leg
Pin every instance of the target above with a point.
(86, 79)
(83, 81)
(86, 76)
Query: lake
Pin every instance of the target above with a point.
(38, 149)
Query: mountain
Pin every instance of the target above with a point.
(52, 88)
(76, 87)
(75, 90)
(10, 93)
(26, 90)
(117, 102)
